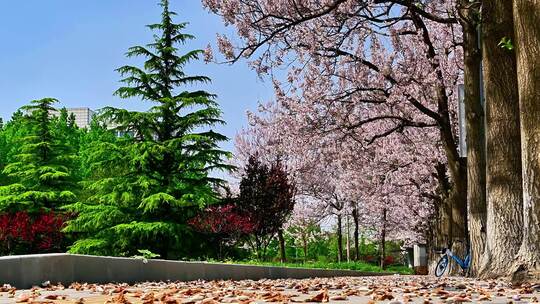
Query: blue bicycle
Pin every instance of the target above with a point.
(465, 263)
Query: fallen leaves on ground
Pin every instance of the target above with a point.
(388, 289)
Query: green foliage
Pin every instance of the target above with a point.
(319, 245)
(146, 254)
(357, 266)
(38, 162)
(506, 43)
(141, 189)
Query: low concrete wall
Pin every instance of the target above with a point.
(31, 270)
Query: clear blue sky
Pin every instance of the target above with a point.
(69, 49)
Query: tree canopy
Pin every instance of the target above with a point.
(42, 168)
(146, 185)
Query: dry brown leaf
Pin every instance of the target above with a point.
(383, 297)
(54, 297)
(458, 299)
(338, 298)
(119, 299)
(148, 297)
(23, 298)
(484, 298)
(321, 297)
(169, 300)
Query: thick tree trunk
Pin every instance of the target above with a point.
(339, 238)
(356, 233)
(476, 154)
(439, 234)
(504, 189)
(383, 239)
(458, 203)
(527, 46)
(282, 246)
(458, 229)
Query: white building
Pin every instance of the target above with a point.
(83, 116)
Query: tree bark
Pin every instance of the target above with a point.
(339, 238)
(504, 189)
(383, 239)
(457, 202)
(356, 232)
(439, 234)
(476, 154)
(282, 246)
(527, 46)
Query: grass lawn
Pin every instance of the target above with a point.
(358, 266)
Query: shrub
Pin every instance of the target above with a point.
(23, 233)
(224, 225)
(223, 220)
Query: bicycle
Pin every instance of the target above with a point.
(443, 263)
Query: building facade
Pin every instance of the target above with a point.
(83, 116)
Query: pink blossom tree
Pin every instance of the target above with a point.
(341, 176)
(364, 73)
(303, 224)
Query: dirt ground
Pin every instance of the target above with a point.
(389, 289)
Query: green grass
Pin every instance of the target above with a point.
(358, 266)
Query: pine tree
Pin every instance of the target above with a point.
(150, 181)
(10, 142)
(66, 131)
(41, 168)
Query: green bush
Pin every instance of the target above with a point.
(357, 266)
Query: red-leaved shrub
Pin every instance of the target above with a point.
(222, 220)
(22, 233)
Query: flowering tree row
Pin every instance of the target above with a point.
(367, 112)
(384, 74)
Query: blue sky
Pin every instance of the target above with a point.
(69, 49)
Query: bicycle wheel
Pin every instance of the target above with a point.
(441, 266)
(468, 263)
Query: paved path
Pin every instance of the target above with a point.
(391, 289)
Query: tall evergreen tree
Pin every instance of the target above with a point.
(42, 167)
(66, 131)
(150, 182)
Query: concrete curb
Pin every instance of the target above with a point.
(31, 270)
